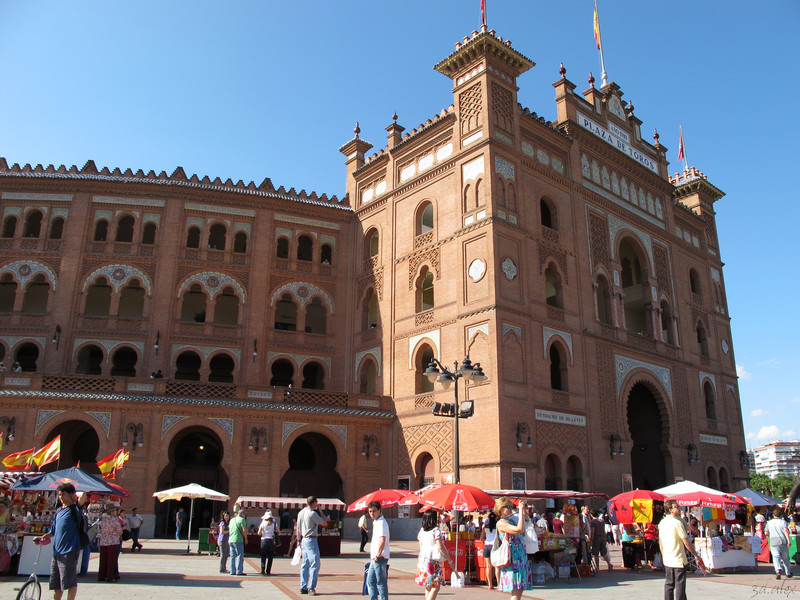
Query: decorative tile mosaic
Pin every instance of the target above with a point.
(710, 376)
(548, 333)
(515, 329)
(118, 276)
(133, 201)
(45, 415)
(213, 283)
(475, 329)
(414, 340)
(614, 227)
(625, 365)
(505, 168)
(37, 197)
(303, 292)
(308, 222)
(224, 210)
(104, 418)
(24, 270)
(227, 426)
(288, 428)
(167, 421)
(375, 353)
(341, 431)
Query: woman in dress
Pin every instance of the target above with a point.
(515, 577)
(109, 540)
(432, 553)
(488, 534)
(222, 541)
(267, 532)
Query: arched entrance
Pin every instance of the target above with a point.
(312, 469)
(79, 444)
(195, 456)
(649, 437)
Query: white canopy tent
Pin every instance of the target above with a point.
(686, 487)
(192, 491)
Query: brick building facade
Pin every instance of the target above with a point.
(293, 329)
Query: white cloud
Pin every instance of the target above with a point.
(742, 373)
(796, 399)
(759, 412)
(771, 433)
(768, 361)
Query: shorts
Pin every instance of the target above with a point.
(64, 570)
(599, 547)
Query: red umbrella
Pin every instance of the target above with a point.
(388, 497)
(458, 497)
(634, 507)
(704, 499)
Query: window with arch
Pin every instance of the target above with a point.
(316, 317)
(217, 235)
(100, 231)
(33, 224)
(187, 366)
(240, 242)
(326, 254)
(426, 470)
(667, 328)
(554, 294)
(724, 480)
(286, 314)
(149, 233)
(424, 358)
(558, 367)
(548, 214)
(369, 310)
(282, 373)
(305, 248)
(125, 229)
(90, 360)
(424, 220)
(694, 282)
(193, 237)
(220, 368)
(123, 362)
(98, 298)
(282, 248)
(9, 226)
(56, 229)
(633, 285)
(36, 294)
(469, 198)
(425, 290)
(368, 377)
(313, 376)
(702, 340)
(552, 472)
(574, 474)
(193, 306)
(711, 406)
(226, 307)
(604, 308)
(373, 243)
(131, 300)
(711, 475)
(27, 356)
(8, 292)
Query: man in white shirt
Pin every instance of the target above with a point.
(674, 541)
(308, 522)
(779, 542)
(378, 572)
(362, 527)
(135, 524)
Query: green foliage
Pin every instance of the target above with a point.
(779, 487)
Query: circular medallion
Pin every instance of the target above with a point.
(724, 344)
(302, 291)
(476, 269)
(118, 274)
(509, 268)
(213, 282)
(24, 270)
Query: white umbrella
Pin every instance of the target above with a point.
(191, 491)
(686, 487)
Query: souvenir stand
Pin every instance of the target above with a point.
(21, 514)
(330, 541)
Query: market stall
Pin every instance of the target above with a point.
(330, 541)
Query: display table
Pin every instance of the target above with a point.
(28, 554)
(730, 559)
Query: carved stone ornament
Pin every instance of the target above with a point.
(477, 269)
(509, 268)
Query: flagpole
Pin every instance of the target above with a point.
(683, 146)
(603, 75)
(483, 13)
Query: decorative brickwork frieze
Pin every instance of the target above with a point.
(607, 385)
(470, 109)
(432, 256)
(663, 272)
(547, 251)
(598, 241)
(502, 107)
(438, 435)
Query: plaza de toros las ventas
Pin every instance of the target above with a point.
(293, 329)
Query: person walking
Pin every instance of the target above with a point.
(222, 541)
(308, 522)
(673, 542)
(267, 532)
(362, 527)
(432, 553)
(237, 535)
(378, 573)
(68, 521)
(135, 524)
(180, 522)
(599, 541)
(779, 541)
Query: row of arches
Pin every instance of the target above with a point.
(124, 230)
(304, 250)
(33, 225)
(217, 238)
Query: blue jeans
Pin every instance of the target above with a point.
(237, 557)
(178, 527)
(377, 578)
(309, 568)
(780, 554)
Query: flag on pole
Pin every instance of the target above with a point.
(597, 28)
(18, 461)
(483, 12)
(681, 150)
(110, 464)
(49, 453)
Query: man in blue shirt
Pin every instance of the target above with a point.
(66, 542)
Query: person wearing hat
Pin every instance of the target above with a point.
(267, 532)
(109, 541)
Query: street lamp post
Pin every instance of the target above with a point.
(436, 370)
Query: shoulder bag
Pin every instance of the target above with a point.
(500, 555)
(435, 554)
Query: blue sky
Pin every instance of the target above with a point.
(248, 90)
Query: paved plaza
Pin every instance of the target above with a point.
(163, 572)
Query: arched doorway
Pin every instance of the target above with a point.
(195, 456)
(312, 469)
(649, 436)
(79, 444)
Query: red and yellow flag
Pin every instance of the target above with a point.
(108, 466)
(681, 149)
(597, 28)
(18, 461)
(49, 453)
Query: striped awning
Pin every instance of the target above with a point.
(279, 502)
(9, 478)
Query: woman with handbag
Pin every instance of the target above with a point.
(432, 552)
(515, 576)
(267, 532)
